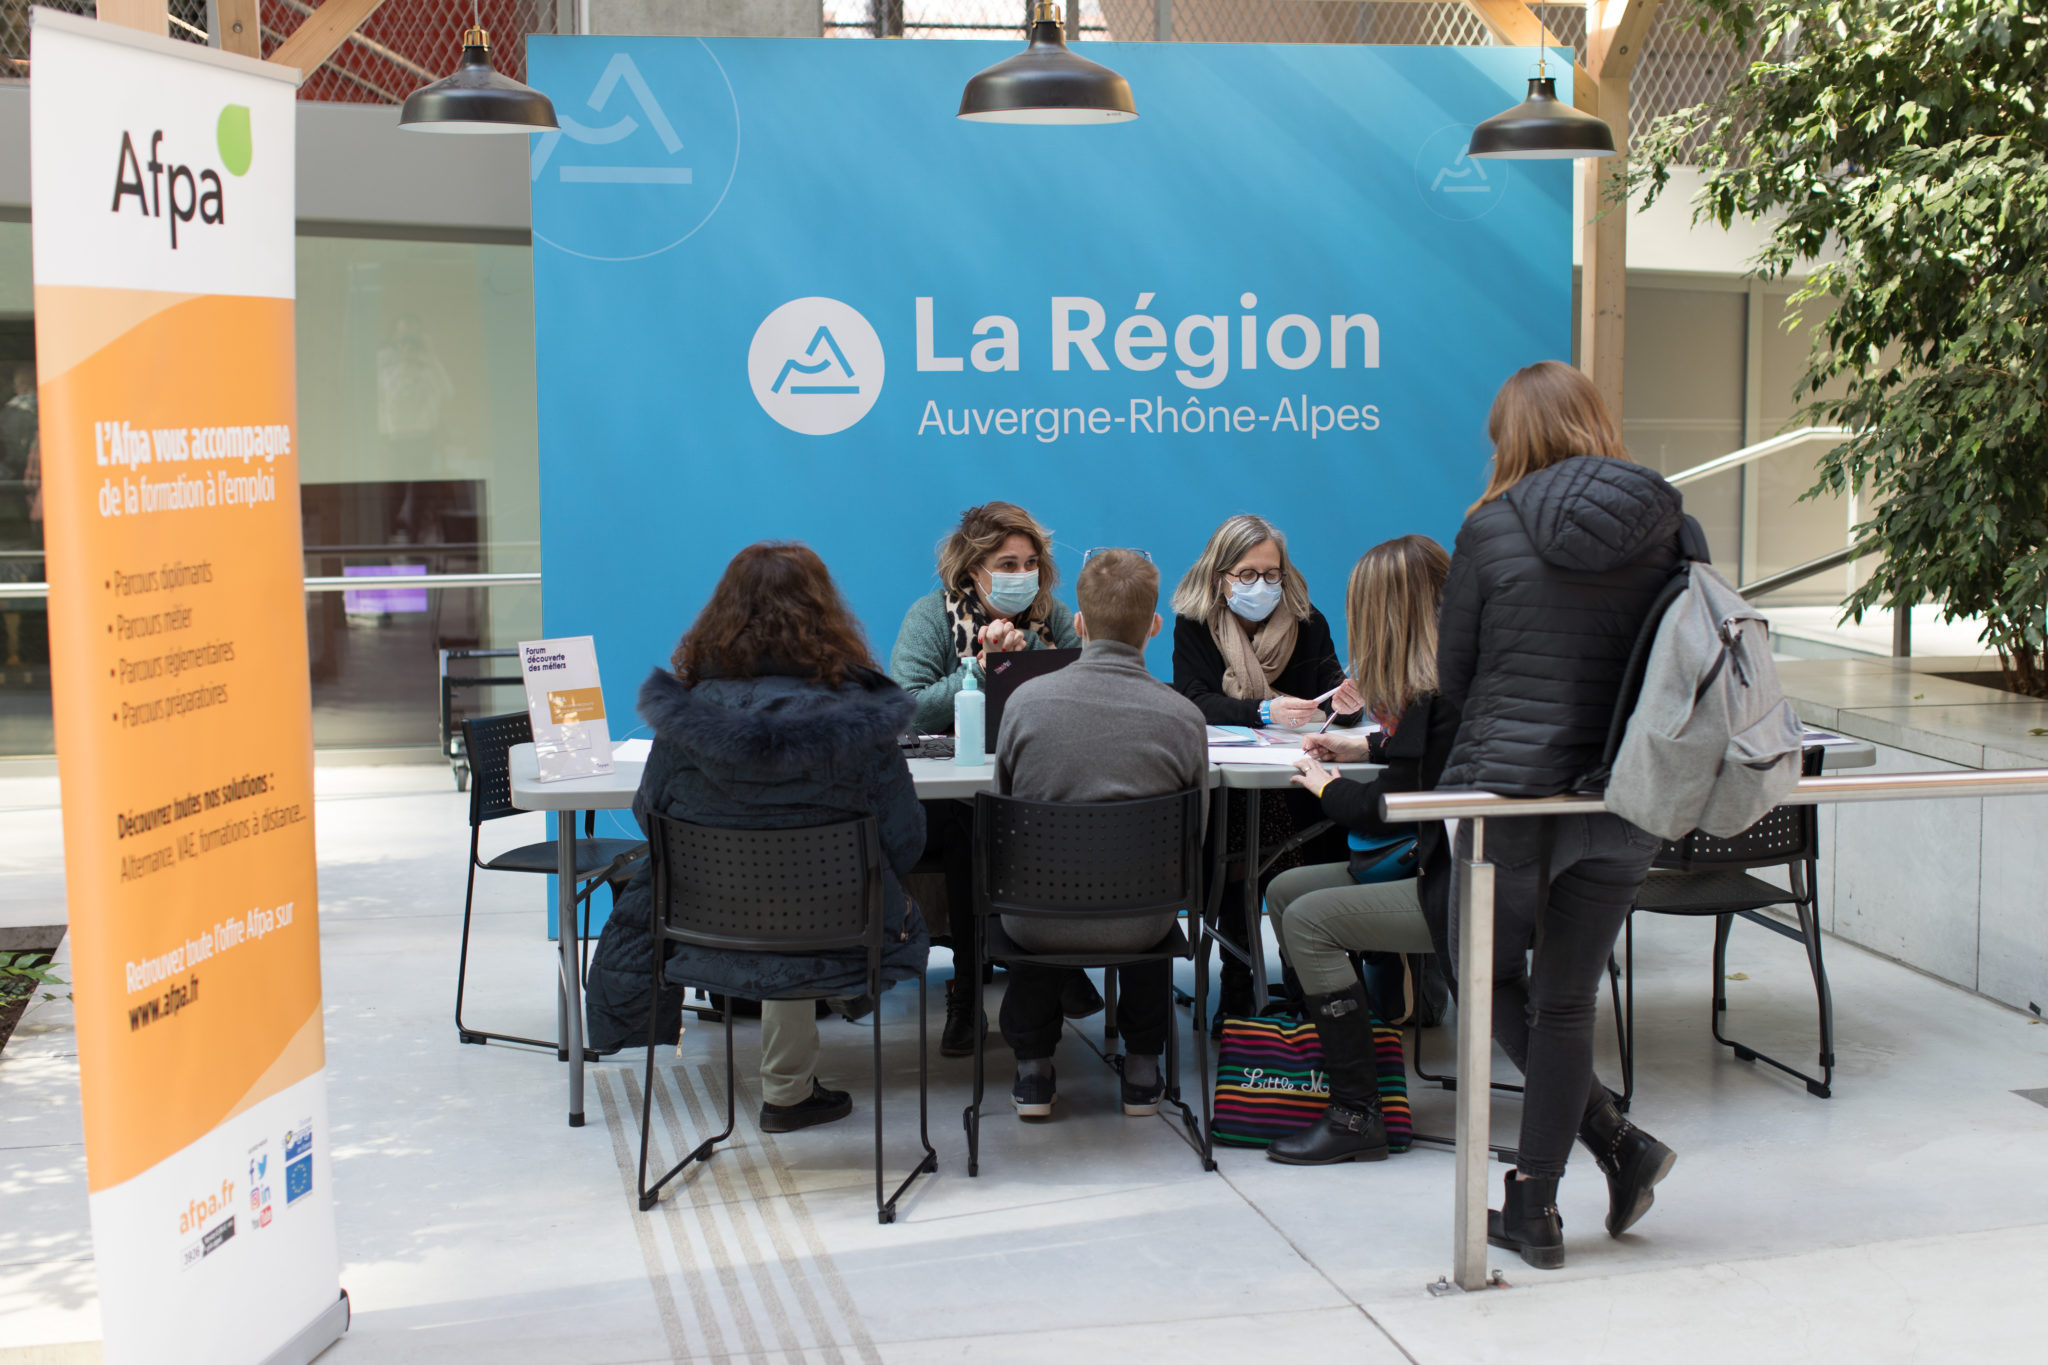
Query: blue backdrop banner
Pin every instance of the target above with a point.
(781, 292)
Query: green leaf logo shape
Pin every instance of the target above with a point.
(236, 144)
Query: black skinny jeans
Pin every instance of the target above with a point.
(1550, 949)
(949, 845)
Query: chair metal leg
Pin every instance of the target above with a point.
(1108, 1008)
(885, 1209)
(970, 1118)
(1448, 1081)
(463, 1032)
(1626, 1032)
(1254, 904)
(1808, 937)
(650, 1195)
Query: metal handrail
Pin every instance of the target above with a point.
(1474, 889)
(347, 584)
(1798, 573)
(1735, 459)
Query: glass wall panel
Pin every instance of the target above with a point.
(25, 726)
(418, 454)
(417, 451)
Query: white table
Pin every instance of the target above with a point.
(609, 791)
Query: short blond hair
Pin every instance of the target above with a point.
(1200, 594)
(981, 532)
(1545, 414)
(1118, 592)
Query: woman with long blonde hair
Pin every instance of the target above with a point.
(1373, 901)
(1553, 576)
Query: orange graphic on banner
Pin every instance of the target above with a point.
(184, 739)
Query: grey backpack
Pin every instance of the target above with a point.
(1710, 742)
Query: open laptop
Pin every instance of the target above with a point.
(1007, 672)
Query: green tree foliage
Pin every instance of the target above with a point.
(1909, 136)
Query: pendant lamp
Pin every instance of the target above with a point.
(1541, 128)
(476, 99)
(1047, 83)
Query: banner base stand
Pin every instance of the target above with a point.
(315, 1337)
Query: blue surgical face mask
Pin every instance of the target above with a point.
(1255, 602)
(1010, 593)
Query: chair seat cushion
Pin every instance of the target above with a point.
(592, 856)
(1713, 892)
(1000, 945)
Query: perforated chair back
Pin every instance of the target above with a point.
(808, 889)
(488, 740)
(1785, 834)
(1114, 859)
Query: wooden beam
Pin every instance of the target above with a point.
(321, 32)
(1603, 255)
(240, 25)
(151, 16)
(1513, 24)
(1615, 33)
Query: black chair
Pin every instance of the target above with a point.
(812, 889)
(488, 742)
(1091, 861)
(1702, 875)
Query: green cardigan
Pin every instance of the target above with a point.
(924, 665)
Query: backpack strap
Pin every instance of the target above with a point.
(1692, 549)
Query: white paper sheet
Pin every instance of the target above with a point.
(632, 750)
(1275, 757)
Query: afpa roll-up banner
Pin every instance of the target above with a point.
(163, 239)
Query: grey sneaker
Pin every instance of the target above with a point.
(1141, 1101)
(1034, 1095)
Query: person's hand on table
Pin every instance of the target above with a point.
(1338, 747)
(1346, 701)
(1313, 775)
(1292, 711)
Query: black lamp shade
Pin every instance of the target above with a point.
(476, 99)
(1047, 83)
(1542, 127)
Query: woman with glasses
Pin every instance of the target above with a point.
(996, 577)
(1249, 648)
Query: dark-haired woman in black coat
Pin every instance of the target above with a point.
(775, 717)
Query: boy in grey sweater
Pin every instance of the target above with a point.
(1100, 729)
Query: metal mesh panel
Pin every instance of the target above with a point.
(1678, 67)
(407, 43)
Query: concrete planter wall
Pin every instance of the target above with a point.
(1958, 889)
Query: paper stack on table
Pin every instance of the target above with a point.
(1233, 735)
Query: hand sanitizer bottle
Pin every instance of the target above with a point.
(970, 723)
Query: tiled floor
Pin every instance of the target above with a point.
(1905, 1219)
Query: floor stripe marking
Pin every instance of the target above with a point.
(650, 1253)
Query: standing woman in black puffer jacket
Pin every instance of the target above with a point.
(1552, 578)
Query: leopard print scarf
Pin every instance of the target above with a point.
(967, 615)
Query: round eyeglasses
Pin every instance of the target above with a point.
(1247, 577)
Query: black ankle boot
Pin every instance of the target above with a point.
(1527, 1222)
(957, 1038)
(1351, 1128)
(1632, 1160)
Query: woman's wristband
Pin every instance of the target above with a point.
(1266, 712)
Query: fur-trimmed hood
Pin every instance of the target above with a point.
(773, 728)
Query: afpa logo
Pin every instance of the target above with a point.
(816, 366)
(162, 187)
